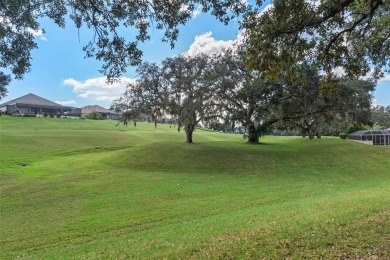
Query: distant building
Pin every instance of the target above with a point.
(106, 113)
(372, 137)
(33, 104)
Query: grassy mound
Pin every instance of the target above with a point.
(88, 189)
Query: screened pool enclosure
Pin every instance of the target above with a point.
(373, 137)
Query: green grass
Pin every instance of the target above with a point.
(87, 189)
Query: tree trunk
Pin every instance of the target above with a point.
(253, 135)
(318, 133)
(311, 134)
(189, 129)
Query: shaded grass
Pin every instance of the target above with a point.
(95, 191)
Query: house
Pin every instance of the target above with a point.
(372, 137)
(106, 113)
(33, 104)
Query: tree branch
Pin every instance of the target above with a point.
(363, 17)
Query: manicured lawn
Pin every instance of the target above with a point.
(87, 189)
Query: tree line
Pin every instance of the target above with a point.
(283, 78)
(220, 88)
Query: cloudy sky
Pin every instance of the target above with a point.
(61, 74)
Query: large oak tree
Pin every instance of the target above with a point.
(244, 97)
(305, 102)
(312, 101)
(179, 88)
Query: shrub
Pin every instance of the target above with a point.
(94, 116)
(357, 127)
(343, 136)
(29, 115)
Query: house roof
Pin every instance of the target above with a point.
(31, 99)
(96, 108)
(371, 132)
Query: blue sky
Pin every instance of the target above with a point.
(60, 73)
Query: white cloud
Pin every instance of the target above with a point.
(35, 33)
(206, 44)
(98, 89)
(38, 33)
(66, 103)
(266, 9)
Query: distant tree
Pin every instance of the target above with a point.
(19, 19)
(350, 34)
(377, 126)
(312, 101)
(335, 125)
(4, 81)
(146, 98)
(356, 127)
(302, 106)
(306, 102)
(381, 116)
(191, 97)
(243, 96)
(354, 99)
(178, 88)
(213, 124)
(129, 105)
(155, 91)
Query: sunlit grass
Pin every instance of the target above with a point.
(88, 189)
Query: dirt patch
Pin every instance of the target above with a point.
(24, 164)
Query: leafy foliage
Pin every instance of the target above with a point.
(244, 96)
(220, 89)
(19, 20)
(145, 98)
(191, 94)
(357, 127)
(351, 34)
(306, 102)
(4, 81)
(94, 116)
(178, 88)
(312, 101)
(381, 115)
(343, 136)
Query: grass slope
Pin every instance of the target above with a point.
(88, 189)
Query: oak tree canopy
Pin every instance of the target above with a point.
(350, 34)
